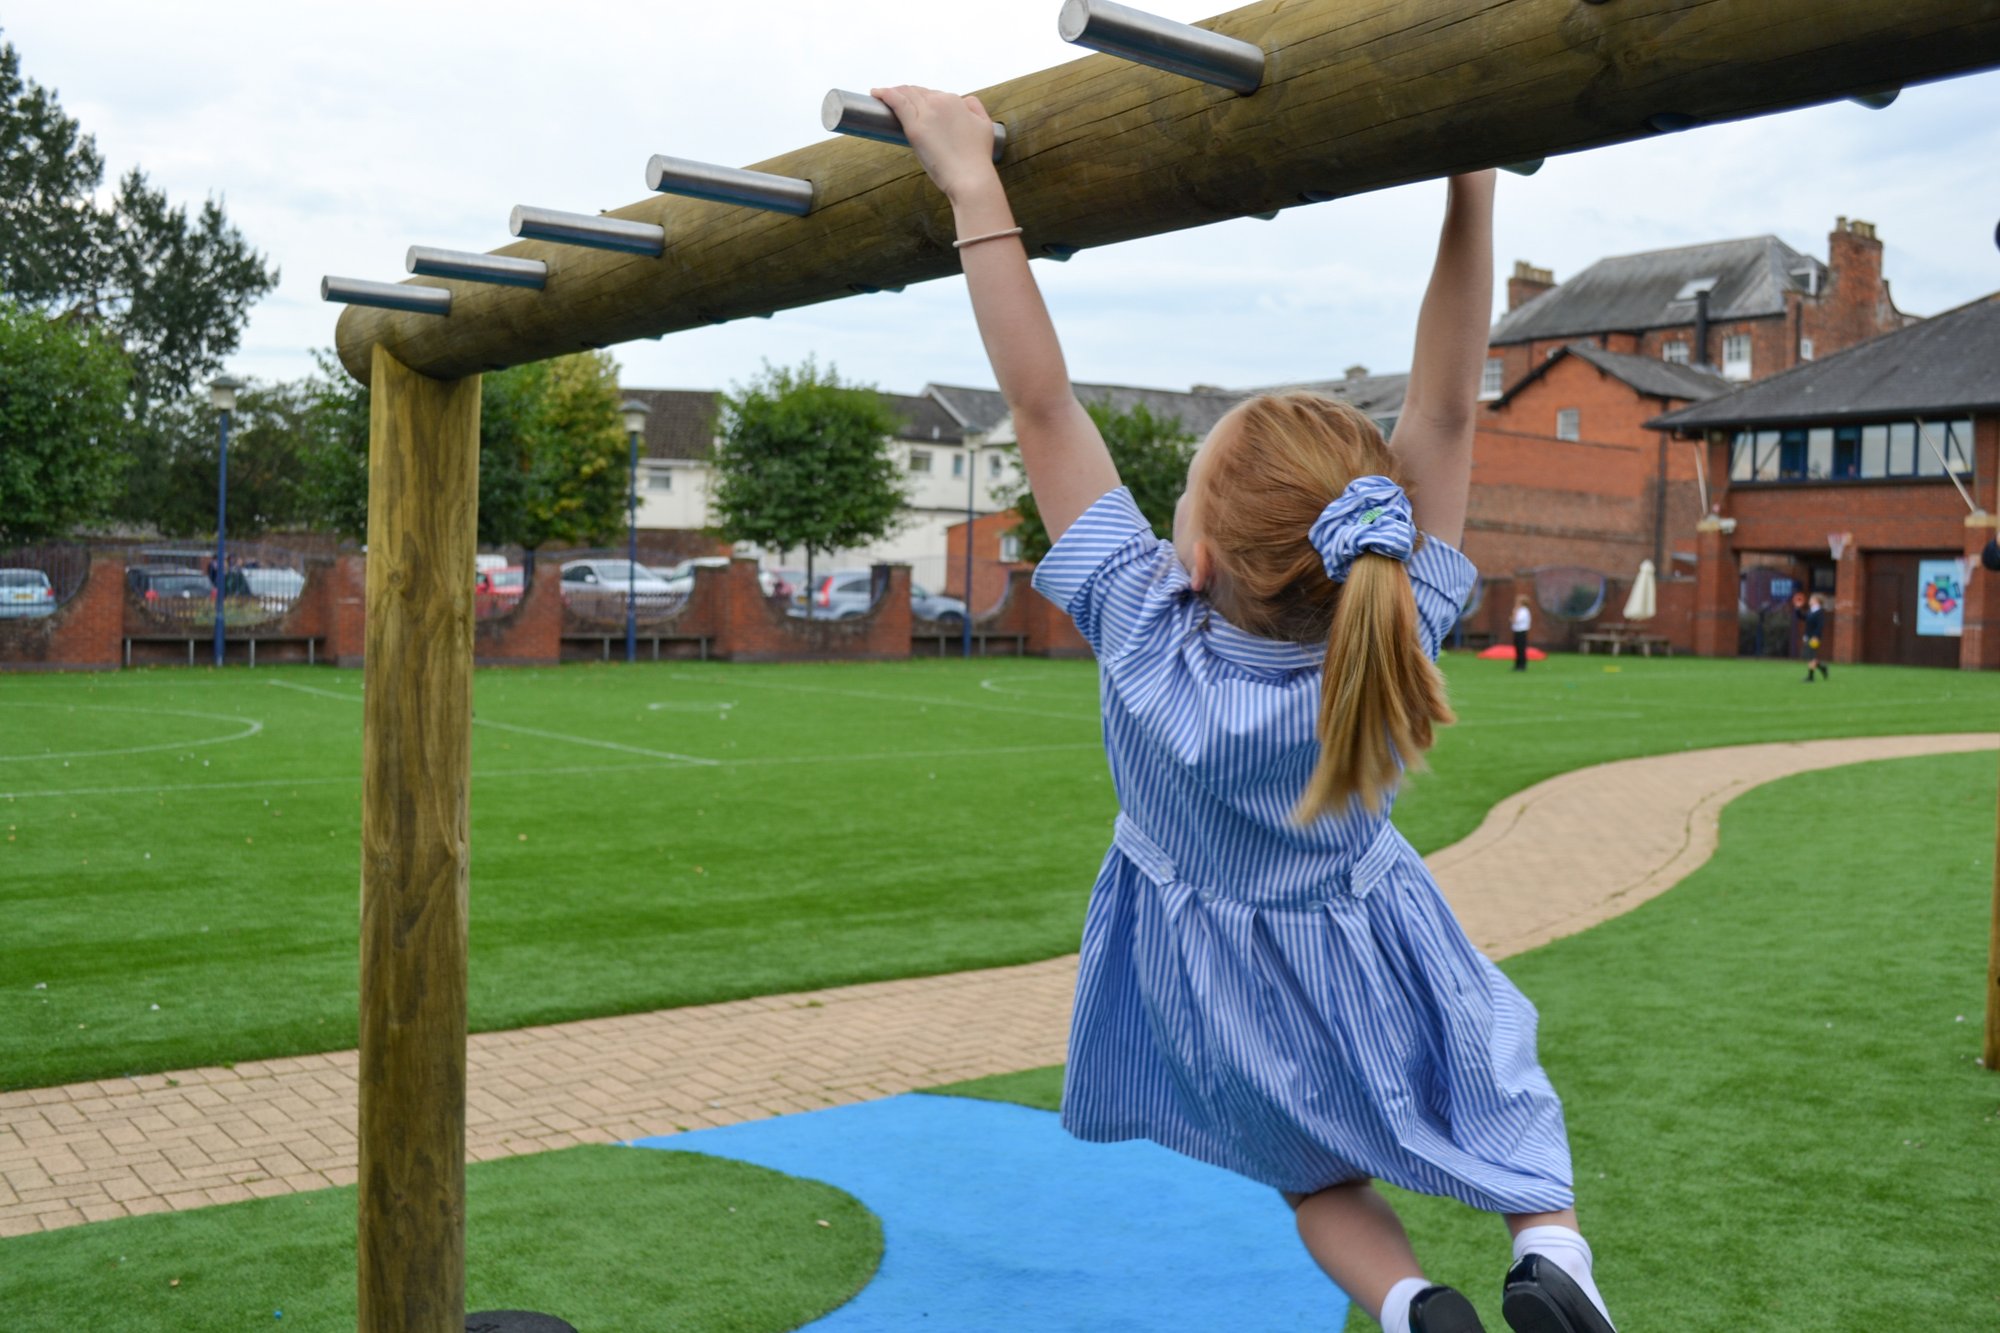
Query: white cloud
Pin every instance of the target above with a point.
(340, 134)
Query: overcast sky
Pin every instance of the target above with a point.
(338, 135)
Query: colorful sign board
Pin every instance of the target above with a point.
(1941, 598)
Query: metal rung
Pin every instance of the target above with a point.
(591, 230)
(501, 270)
(867, 117)
(1147, 39)
(386, 295)
(729, 185)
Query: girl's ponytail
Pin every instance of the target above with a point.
(1382, 698)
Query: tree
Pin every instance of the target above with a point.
(1151, 454)
(804, 461)
(551, 452)
(175, 456)
(62, 415)
(173, 291)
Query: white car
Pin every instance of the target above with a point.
(604, 578)
(681, 576)
(25, 594)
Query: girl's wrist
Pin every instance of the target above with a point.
(978, 187)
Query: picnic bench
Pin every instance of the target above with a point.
(1617, 638)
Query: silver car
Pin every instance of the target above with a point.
(25, 594)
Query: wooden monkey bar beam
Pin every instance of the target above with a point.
(1357, 95)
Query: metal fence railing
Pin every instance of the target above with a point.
(500, 583)
(36, 580)
(1569, 593)
(175, 587)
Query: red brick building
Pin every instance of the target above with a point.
(1567, 470)
(1868, 477)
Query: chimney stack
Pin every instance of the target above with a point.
(1527, 283)
(1356, 373)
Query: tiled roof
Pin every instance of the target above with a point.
(681, 423)
(924, 418)
(1947, 363)
(1649, 375)
(1646, 291)
(1380, 396)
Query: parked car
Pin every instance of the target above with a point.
(789, 586)
(927, 605)
(600, 579)
(500, 586)
(141, 578)
(176, 585)
(25, 594)
(841, 595)
(275, 587)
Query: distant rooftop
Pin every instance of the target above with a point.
(1947, 363)
(1649, 375)
(1657, 289)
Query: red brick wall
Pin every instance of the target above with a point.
(755, 629)
(531, 633)
(1049, 630)
(1538, 501)
(989, 571)
(86, 633)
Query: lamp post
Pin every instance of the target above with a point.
(634, 413)
(222, 397)
(971, 480)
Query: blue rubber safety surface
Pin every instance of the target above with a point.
(995, 1219)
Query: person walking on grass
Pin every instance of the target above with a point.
(1270, 980)
(1812, 619)
(1523, 621)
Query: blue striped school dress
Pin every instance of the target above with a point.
(1297, 1005)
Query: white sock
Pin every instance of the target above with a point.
(1567, 1250)
(1396, 1305)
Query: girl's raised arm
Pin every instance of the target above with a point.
(1433, 436)
(1067, 464)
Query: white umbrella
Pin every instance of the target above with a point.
(1640, 605)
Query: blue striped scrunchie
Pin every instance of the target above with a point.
(1372, 514)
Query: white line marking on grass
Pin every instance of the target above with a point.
(693, 706)
(251, 726)
(595, 744)
(353, 698)
(525, 731)
(994, 686)
(562, 771)
(894, 698)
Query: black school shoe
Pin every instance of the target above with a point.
(1541, 1298)
(1443, 1310)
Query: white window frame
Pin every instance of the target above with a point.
(1569, 423)
(1805, 349)
(993, 465)
(957, 464)
(1676, 353)
(1010, 548)
(1736, 367)
(920, 461)
(1492, 378)
(660, 479)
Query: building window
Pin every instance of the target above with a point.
(957, 464)
(1010, 547)
(1489, 378)
(993, 464)
(1569, 424)
(1736, 356)
(659, 479)
(920, 460)
(1805, 349)
(1675, 352)
(1852, 453)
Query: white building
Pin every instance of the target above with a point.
(956, 450)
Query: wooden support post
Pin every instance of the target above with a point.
(416, 758)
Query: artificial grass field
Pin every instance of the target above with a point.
(608, 1238)
(677, 833)
(1771, 1073)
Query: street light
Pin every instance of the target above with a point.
(222, 397)
(634, 413)
(971, 480)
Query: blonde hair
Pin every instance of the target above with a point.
(1289, 455)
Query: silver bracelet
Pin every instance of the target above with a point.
(989, 236)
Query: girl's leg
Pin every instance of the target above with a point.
(1556, 1238)
(1353, 1233)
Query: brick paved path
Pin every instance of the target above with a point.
(1546, 862)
